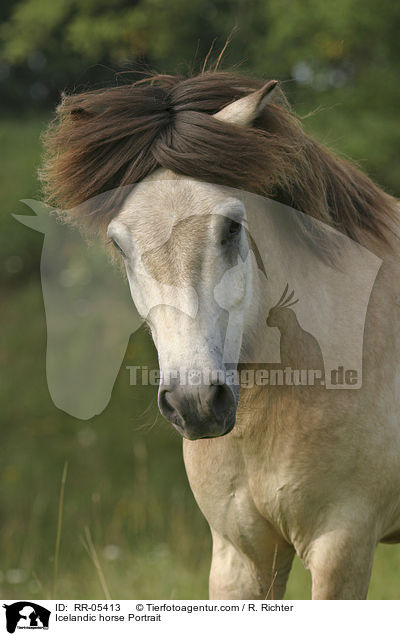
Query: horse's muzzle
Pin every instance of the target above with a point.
(198, 411)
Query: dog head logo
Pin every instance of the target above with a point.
(26, 615)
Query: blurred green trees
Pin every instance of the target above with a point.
(48, 44)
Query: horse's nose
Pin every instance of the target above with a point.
(198, 411)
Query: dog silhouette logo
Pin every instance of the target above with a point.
(26, 615)
(86, 341)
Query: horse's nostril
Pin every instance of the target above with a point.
(198, 411)
(221, 400)
(166, 408)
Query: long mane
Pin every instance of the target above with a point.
(103, 139)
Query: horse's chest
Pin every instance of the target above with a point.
(239, 496)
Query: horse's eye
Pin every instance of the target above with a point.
(117, 247)
(234, 228)
(231, 231)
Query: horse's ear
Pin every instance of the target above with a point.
(245, 110)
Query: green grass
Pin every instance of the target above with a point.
(126, 480)
(19, 161)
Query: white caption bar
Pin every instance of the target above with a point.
(193, 617)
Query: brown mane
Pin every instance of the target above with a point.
(104, 139)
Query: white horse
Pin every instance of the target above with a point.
(275, 470)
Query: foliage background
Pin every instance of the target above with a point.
(126, 483)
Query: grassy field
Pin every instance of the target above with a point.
(125, 486)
